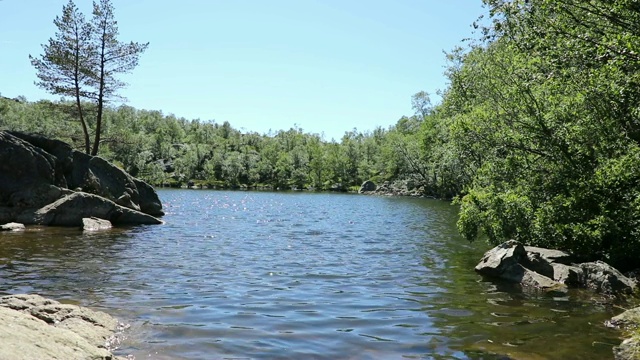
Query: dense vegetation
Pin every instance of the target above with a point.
(537, 135)
(164, 149)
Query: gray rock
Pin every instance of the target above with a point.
(546, 269)
(367, 186)
(603, 278)
(149, 200)
(71, 209)
(501, 258)
(95, 224)
(551, 255)
(37, 328)
(97, 176)
(12, 227)
(568, 275)
(519, 274)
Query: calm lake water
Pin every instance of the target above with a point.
(259, 275)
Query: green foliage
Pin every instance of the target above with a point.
(545, 114)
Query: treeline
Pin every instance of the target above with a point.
(167, 150)
(537, 135)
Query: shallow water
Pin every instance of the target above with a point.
(240, 275)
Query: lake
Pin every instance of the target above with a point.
(296, 275)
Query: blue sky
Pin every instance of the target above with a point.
(327, 66)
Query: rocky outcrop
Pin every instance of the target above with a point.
(551, 269)
(36, 173)
(34, 327)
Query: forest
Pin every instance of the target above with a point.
(536, 138)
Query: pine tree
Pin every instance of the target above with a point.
(83, 59)
(63, 68)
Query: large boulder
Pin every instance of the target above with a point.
(34, 327)
(36, 172)
(71, 209)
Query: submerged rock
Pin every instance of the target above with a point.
(34, 327)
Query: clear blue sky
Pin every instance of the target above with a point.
(326, 65)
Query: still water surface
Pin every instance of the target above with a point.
(258, 275)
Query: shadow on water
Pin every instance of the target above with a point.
(298, 275)
(65, 263)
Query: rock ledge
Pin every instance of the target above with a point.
(34, 327)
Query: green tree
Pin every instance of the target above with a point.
(82, 61)
(64, 67)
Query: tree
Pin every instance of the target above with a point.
(63, 68)
(83, 59)
(111, 57)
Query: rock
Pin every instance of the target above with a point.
(22, 165)
(603, 278)
(628, 350)
(97, 176)
(36, 172)
(501, 258)
(628, 320)
(568, 275)
(34, 327)
(95, 224)
(547, 269)
(551, 255)
(12, 227)
(519, 274)
(149, 200)
(367, 186)
(71, 209)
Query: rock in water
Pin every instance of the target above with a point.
(71, 209)
(604, 278)
(501, 258)
(12, 227)
(95, 224)
(546, 268)
(36, 172)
